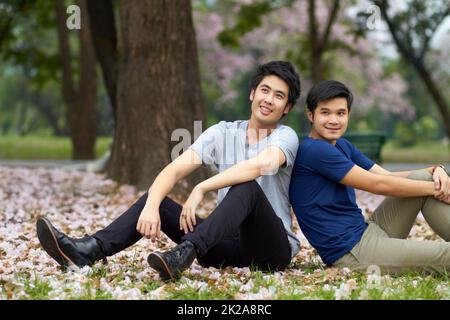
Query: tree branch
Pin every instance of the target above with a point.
(330, 22)
(312, 22)
(104, 36)
(427, 39)
(65, 56)
(409, 54)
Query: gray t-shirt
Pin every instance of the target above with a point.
(225, 144)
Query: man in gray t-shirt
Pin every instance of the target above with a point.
(251, 225)
(225, 144)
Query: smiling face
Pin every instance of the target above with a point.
(330, 119)
(269, 101)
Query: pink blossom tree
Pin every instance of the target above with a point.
(284, 34)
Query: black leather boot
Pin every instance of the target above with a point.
(171, 263)
(65, 250)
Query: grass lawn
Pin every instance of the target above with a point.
(59, 148)
(40, 148)
(330, 284)
(80, 203)
(431, 152)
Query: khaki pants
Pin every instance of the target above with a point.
(384, 243)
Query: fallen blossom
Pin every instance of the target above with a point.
(80, 203)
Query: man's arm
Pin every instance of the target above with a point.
(387, 185)
(149, 220)
(179, 168)
(440, 177)
(267, 161)
(380, 170)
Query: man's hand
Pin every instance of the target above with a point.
(446, 200)
(187, 217)
(149, 223)
(441, 184)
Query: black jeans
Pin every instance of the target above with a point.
(243, 230)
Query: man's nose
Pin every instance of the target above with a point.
(268, 98)
(333, 119)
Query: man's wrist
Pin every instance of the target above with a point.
(199, 187)
(438, 166)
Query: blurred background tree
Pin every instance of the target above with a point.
(394, 56)
(282, 30)
(412, 29)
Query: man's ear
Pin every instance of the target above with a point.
(310, 115)
(287, 108)
(252, 95)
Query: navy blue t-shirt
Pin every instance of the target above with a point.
(326, 210)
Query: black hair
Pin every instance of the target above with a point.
(326, 90)
(283, 70)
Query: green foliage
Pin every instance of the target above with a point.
(422, 130)
(404, 134)
(249, 18)
(31, 40)
(24, 107)
(426, 128)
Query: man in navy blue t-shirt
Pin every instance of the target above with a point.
(326, 171)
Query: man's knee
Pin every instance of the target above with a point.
(245, 186)
(420, 175)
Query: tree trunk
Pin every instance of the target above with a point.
(435, 94)
(103, 28)
(81, 116)
(158, 87)
(319, 41)
(315, 52)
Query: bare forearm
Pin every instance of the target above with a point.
(181, 167)
(404, 174)
(163, 184)
(239, 173)
(380, 181)
(401, 187)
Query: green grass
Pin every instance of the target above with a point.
(411, 286)
(430, 152)
(59, 148)
(40, 148)
(90, 292)
(37, 289)
(192, 293)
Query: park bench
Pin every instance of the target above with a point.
(369, 144)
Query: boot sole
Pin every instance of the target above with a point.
(158, 263)
(48, 241)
